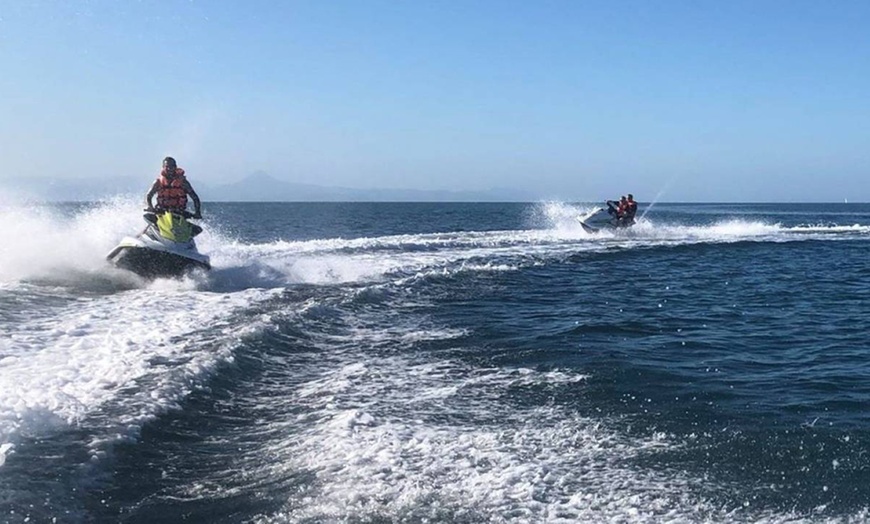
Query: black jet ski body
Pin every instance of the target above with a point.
(165, 249)
(605, 218)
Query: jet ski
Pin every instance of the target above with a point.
(164, 249)
(604, 218)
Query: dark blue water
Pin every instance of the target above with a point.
(442, 363)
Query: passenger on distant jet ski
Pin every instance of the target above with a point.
(616, 208)
(629, 212)
(619, 214)
(623, 212)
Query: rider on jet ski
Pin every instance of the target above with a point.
(628, 212)
(623, 211)
(172, 188)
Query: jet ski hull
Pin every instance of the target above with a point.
(151, 259)
(602, 218)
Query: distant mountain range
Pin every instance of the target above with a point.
(257, 187)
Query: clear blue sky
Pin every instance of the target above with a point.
(694, 100)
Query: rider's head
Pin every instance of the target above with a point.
(630, 196)
(169, 165)
(622, 198)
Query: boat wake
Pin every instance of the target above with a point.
(67, 247)
(360, 365)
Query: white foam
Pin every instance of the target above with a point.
(534, 465)
(393, 435)
(70, 364)
(144, 350)
(828, 228)
(393, 439)
(54, 244)
(65, 246)
(34, 246)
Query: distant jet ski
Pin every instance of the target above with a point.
(604, 218)
(164, 249)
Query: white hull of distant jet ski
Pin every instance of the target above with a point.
(601, 218)
(151, 256)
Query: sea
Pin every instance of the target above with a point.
(439, 362)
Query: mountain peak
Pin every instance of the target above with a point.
(260, 176)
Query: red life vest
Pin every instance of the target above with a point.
(171, 193)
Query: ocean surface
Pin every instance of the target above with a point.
(417, 362)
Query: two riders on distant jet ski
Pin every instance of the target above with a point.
(172, 189)
(623, 211)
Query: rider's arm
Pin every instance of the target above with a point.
(197, 206)
(151, 192)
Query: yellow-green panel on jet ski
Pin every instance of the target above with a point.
(174, 227)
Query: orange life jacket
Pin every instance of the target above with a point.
(171, 193)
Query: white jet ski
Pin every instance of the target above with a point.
(604, 218)
(164, 249)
